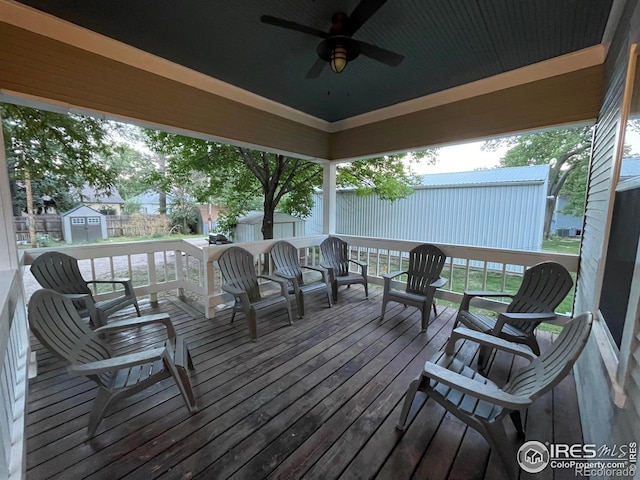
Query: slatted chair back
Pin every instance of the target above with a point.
(59, 272)
(238, 269)
(286, 260)
(543, 288)
(425, 265)
(547, 370)
(335, 255)
(57, 325)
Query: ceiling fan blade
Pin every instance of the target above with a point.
(363, 12)
(380, 54)
(279, 22)
(316, 69)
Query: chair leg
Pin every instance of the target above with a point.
(300, 302)
(408, 401)
(100, 405)
(366, 290)
(516, 418)
(135, 304)
(288, 305)
(503, 447)
(435, 312)
(253, 325)
(334, 291)
(384, 308)
(426, 316)
(183, 383)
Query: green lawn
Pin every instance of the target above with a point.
(562, 245)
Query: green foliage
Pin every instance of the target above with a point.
(131, 207)
(241, 179)
(64, 149)
(566, 151)
(184, 213)
(133, 170)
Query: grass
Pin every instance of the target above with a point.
(562, 245)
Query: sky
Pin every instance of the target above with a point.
(469, 156)
(461, 158)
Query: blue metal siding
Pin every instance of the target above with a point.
(507, 216)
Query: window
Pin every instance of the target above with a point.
(77, 221)
(93, 220)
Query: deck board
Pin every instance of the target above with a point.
(319, 400)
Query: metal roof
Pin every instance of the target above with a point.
(630, 167)
(495, 176)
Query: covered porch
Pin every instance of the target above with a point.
(50, 62)
(318, 399)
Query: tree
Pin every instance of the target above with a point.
(237, 176)
(63, 149)
(566, 151)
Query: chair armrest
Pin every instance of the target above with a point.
(79, 297)
(116, 363)
(126, 283)
(484, 339)
(439, 283)
(282, 283)
(236, 292)
(542, 316)
(392, 275)
(162, 318)
(469, 294)
(481, 391)
(329, 271)
(531, 317)
(324, 271)
(358, 262)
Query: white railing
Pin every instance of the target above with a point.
(154, 266)
(14, 356)
(385, 255)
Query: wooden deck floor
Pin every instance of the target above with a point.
(317, 400)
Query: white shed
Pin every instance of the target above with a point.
(249, 227)
(83, 224)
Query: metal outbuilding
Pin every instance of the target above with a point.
(500, 208)
(83, 224)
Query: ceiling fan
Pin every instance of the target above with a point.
(338, 47)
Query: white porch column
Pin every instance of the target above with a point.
(8, 247)
(329, 198)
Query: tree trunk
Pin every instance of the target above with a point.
(549, 210)
(30, 215)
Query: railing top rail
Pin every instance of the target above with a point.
(100, 250)
(212, 252)
(489, 254)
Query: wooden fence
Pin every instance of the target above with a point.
(50, 226)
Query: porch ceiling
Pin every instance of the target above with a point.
(445, 44)
(454, 52)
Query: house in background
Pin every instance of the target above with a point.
(106, 204)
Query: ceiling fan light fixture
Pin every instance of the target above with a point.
(338, 59)
(338, 51)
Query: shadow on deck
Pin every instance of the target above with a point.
(319, 400)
